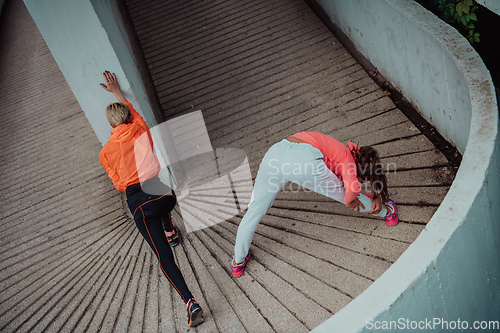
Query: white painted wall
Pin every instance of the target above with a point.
(422, 67)
(86, 38)
(452, 270)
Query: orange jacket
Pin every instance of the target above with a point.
(128, 157)
(338, 158)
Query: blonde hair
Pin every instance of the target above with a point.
(117, 114)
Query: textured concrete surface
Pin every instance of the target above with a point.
(71, 259)
(429, 280)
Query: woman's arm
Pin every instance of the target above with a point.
(347, 172)
(115, 177)
(376, 206)
(113, 86)
(355, 204)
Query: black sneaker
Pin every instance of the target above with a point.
(173, 240)
(195, 313)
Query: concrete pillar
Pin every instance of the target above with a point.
(87, 37)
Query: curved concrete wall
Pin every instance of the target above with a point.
(451, 274)
(493, 5)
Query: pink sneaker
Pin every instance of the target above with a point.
(239, 269)
(391, 218)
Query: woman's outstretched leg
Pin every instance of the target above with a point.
(285, 161)
(266, 188)
(152, 231)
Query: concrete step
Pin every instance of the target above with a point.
(71, 256)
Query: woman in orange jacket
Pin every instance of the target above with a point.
(133, 167)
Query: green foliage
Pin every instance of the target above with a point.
(460, 14)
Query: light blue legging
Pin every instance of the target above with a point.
(286, 162)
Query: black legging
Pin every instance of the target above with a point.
(152, 216)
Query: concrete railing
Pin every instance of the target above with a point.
(450, 276)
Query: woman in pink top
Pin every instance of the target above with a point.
(321, 164)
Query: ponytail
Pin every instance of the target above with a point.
(370, 168)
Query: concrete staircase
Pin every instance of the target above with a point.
(71, 258)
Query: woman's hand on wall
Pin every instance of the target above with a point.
(113, 86)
